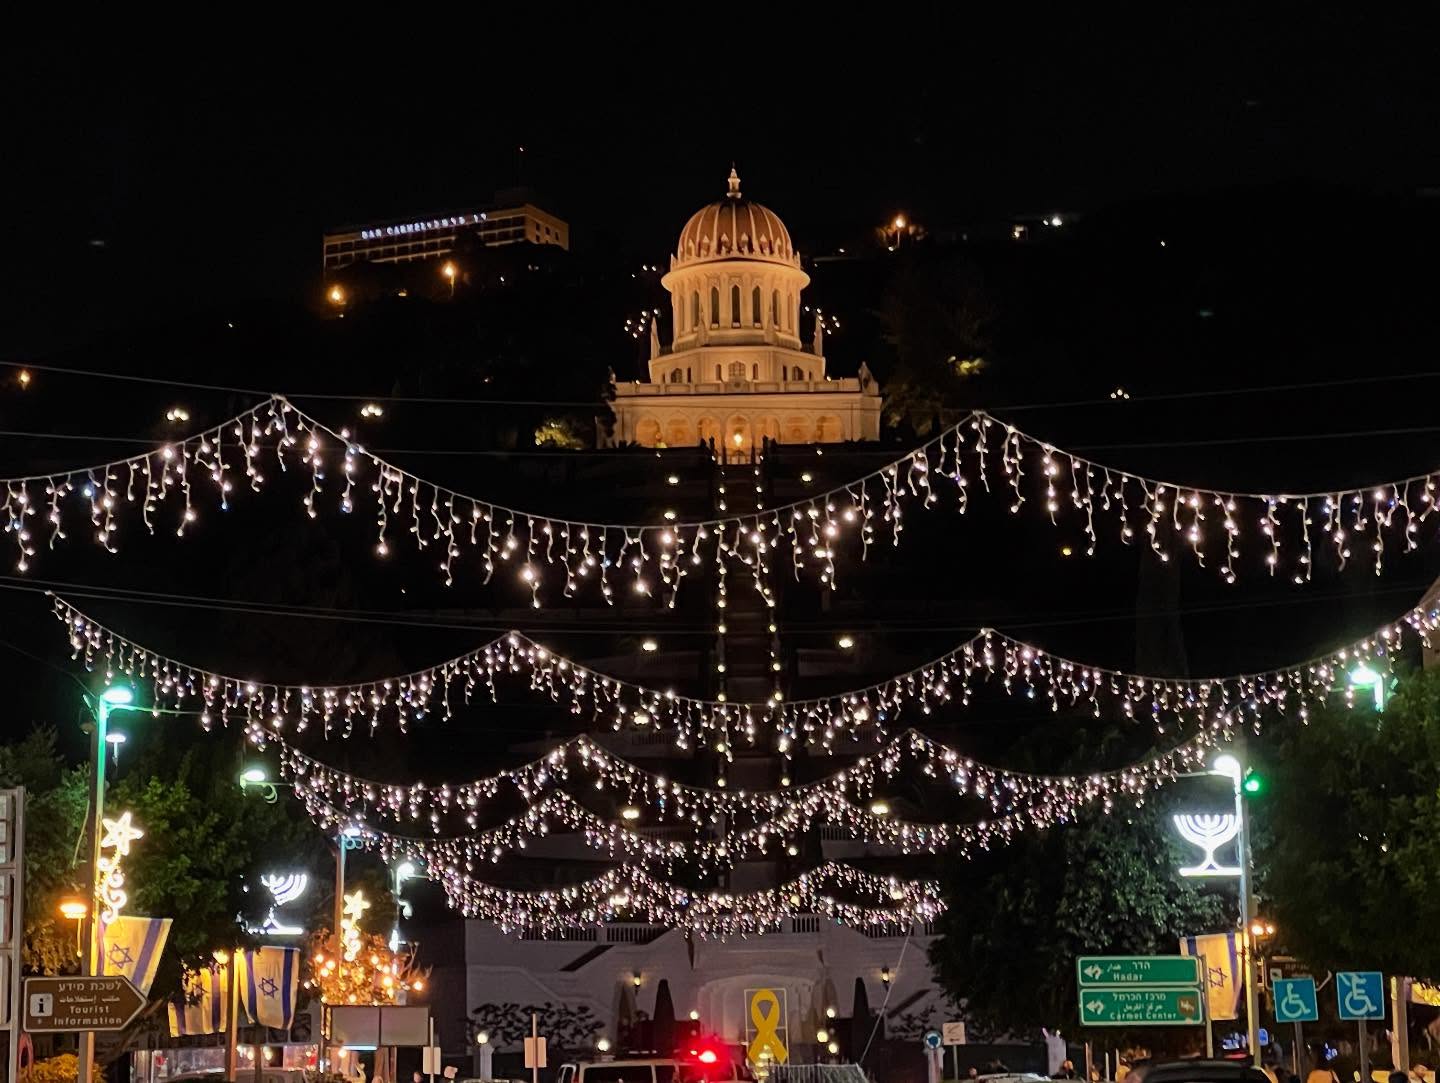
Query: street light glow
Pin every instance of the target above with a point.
(118, 695)
(405, 870)
(73, 909)
(1362, 676)
(253, 774)
(1226, 765)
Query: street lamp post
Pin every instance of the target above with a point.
(1231, 768)
(117, 697)
(257, 778)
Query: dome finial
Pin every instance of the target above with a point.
(734, 183)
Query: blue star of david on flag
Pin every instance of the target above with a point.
(269, 987)
(120, 956)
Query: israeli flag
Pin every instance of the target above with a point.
(269, 985)
(201, 1008)
(132, 947)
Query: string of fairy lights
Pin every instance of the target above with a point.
(1217, 705)
(979, 454)
(1030, 801)
(854, 794)
(987, 658)
(169, 488)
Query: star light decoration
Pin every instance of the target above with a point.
(115, 842)
(979, 454)
(989, 657)
(366, 970)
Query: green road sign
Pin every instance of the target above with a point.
(1140, 1007)
(1137, 970)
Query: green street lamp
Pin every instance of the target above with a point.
(257, 777)
(115, 697)
(1362, 676)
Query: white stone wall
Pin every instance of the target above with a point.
(816, 968)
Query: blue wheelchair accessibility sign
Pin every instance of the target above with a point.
(1295, 1000)
(1361, 994)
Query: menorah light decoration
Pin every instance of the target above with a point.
(285, 888)
(1209, 831)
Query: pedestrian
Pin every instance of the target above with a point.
(1322, 1072)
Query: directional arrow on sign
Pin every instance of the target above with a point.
(1093, 972)
(1097, 1007)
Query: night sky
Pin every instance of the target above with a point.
(209, 176)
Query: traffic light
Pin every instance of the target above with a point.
(1254, 783)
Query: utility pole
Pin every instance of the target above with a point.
(1247, 916)
(89, 964)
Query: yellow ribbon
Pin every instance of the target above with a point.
(767, 1025)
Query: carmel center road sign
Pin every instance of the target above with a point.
(1100, 971)
(1140, 1007)
(80, 1003)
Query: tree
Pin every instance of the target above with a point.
(938, 320)
(1356, 893)
(56, 800)
(1018, 917)
(204, 846)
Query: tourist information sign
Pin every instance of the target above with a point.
(100, 1002)
(1140, 1007)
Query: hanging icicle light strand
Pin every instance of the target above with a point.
(988, 657)
(777, 815)
(1027, 801)
(979, 454)
(630, 892)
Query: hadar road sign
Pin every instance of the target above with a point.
(1140, 1007)
(1137, 970)
(80, 1003)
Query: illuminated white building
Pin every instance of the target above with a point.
(407, 240)
(736, 371)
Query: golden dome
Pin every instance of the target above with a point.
(734, 228)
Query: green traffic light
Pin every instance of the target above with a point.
(1253, 783)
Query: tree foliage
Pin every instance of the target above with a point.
(1348, 833)
(938, 321)
(1018, 917)
(205, 845)
(56, 800)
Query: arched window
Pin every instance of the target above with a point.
(714, 307)
(687, 374)
(695, 309)
(734, 306)
(784, 372)
(717, 372)
(755, 371)
(675, 376)
(755, 307)
(737, 370)
(775, 309)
